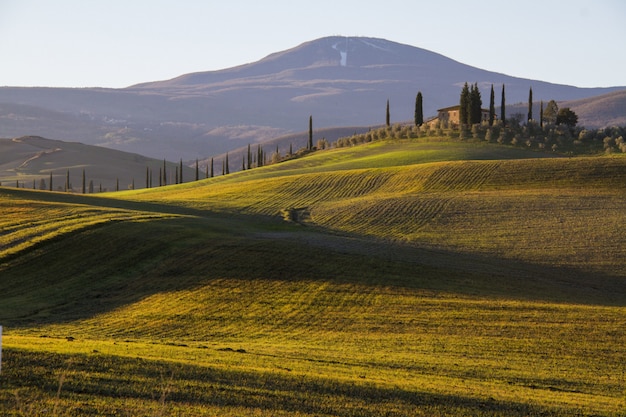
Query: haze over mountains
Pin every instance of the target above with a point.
(339, 81)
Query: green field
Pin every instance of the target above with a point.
(397, 278)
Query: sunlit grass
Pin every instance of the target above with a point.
(406, 286)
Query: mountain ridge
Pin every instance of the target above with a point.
(340, 81)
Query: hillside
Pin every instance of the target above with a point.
(29, 160)
(421, 277)
(340, 81)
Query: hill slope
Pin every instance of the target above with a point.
(413, 278)
(29, 160)
(340, 81)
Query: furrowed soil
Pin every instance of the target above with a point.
(410, 278)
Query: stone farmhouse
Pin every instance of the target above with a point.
(450, 115)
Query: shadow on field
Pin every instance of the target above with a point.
(110, 385)
(97, 270)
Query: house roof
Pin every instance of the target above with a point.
(457, 107)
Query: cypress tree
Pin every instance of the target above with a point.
(387, 115)
(476, 104)
(502, 108)
(84, 183)
(530, 104)
(541, 115)
(419, 112)
(492, 107)
(50, 181)
(180, 170)
(147, 177)
(164, 173)
(464, 104)
(67, 181)
(212, 173)
(310, 143)
(197, 170)
(249, 157)
(227, 168)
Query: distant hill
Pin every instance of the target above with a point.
(600, 111)
(28, 160)
(340, 81)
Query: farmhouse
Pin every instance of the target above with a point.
(451, 114)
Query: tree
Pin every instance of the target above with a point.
(550, 113)
(227, 169)
(567, 117)
(42, 184)
(197, 170)
(249, 157)
(84, 183)
(51, 181)
(492, 107)
(464, 105)
(475, 106)
(310, 143)
(419, 112)
(164, 173)
(67, 181)
(530, 104)
(212, 173)
(541, 115)
(502, 108)
(90, 186)
(180, 170)
(387, 115)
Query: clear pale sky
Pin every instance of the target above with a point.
(117, 43)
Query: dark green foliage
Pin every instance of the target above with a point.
(503, 108)
(180, 170)
(492, 107)
(419, 111)
(197, 170)
(310, 142)
(164, 173)
(567, 117)
(475, 105)
(550, 113)
(530, 105)
(387, 116)
(84, 183)
(464, 103)
(541, 114)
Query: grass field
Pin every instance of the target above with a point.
(414, 278)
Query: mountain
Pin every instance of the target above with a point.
(340, 81)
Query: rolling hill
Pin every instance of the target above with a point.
(30, 159)
(417, 277)
(340, 81)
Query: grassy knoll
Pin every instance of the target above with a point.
(431, 288)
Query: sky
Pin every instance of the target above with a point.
(118, 43)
